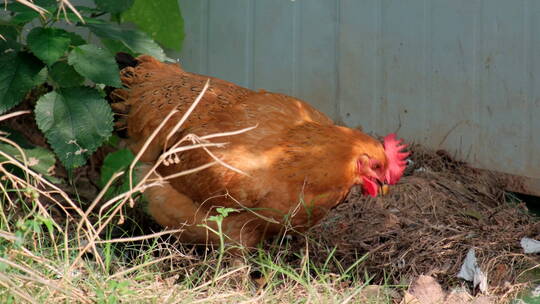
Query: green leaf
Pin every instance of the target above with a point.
(47, 221)
(17, 7)
(162, 20)
(115, 46)
(75, 121)
(25, 17)
(225, 211)
(113, 7)
(138, 42)
(65, 75)
(529, 299)
(115, 162)
(87, 10)
(46, 4)
(113, 141)
(95, 64)
(71, 17)
(76, 39)
(10, 34)
(41, 77)
(38, 159)
(18, 74)
(48, 44)
(25, 14)
(17, 137)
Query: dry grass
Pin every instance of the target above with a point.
(54, 248)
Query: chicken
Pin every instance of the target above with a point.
(291, 168)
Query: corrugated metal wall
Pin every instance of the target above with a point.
(455, 74)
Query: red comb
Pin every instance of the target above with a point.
(397, 160)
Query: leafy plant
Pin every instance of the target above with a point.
(148, 16)
(72, 112)
(37, 158)
(113, 163)
(218, 219)
(113, 292)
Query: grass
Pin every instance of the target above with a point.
(56, 249)
(40, 263)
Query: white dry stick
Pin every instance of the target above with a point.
(145, 146)
(11, 115)
(175, 149)
(188, 112)
(231, 133)
(44, 182)
(62, 7)
(8, 283)
(31, 5)
(158, 129)
(145, 181)
(37, 278)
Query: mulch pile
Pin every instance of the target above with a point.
(427, 224)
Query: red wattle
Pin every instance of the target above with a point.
(369, 187)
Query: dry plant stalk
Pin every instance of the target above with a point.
(31, 5)
(62, 4)
(87, 232)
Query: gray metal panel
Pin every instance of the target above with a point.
(316, 70)
(451, 114)
(193, 56)
(274, 45)
(226, 45)
(533, 105)
(461, 75)
(359, 62)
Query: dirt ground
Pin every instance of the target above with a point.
(427, 224)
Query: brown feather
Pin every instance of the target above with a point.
(299, 164)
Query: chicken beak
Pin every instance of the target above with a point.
(384, 189)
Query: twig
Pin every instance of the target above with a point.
(6, 281)
(140, 238)
(188, 112)
(14, 114)
(132, 269)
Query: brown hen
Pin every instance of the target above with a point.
(295, 164)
